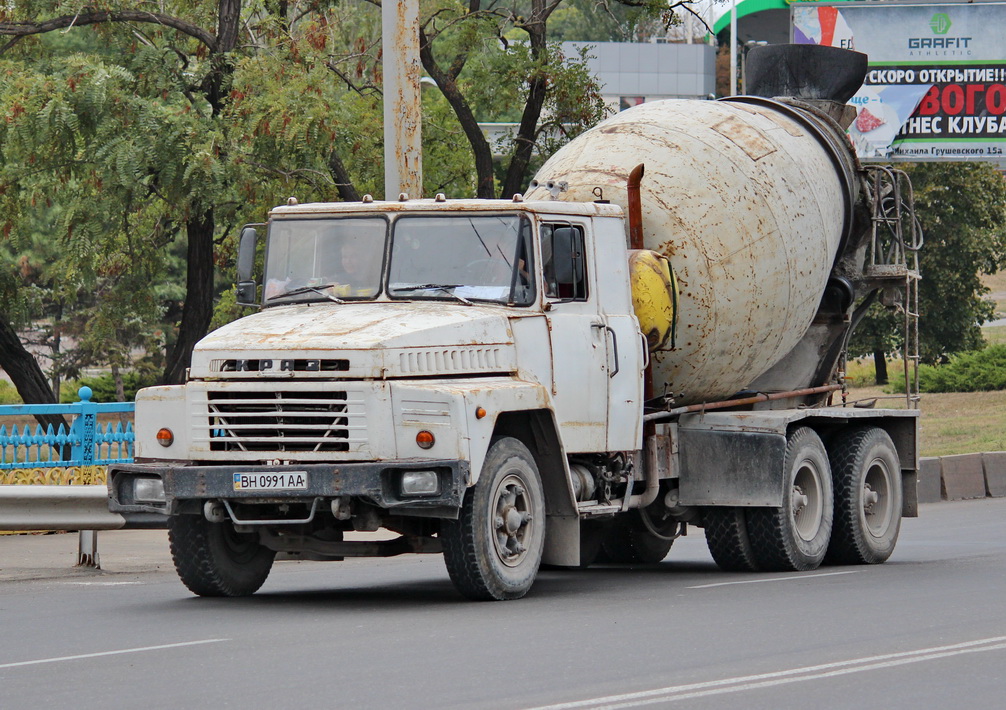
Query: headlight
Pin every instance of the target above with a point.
(420, 483)
(148, 490)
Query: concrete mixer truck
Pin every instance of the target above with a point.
(650, 339)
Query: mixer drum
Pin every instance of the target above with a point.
(748, 198)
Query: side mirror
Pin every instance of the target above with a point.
(246, 286)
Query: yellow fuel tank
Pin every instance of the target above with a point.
(654, 296)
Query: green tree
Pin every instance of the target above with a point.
(616, 21)
(144, 133)
(136, 141)
(962, 210)
(468, 48)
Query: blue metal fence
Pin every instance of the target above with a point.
(90, 442)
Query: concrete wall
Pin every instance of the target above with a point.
(963, 477)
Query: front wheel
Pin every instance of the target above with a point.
(493, 550)
(795, 537)
(868, 497)
(213, 560)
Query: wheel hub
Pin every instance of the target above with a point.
(805, 501)
(878, 511)
(513, 521)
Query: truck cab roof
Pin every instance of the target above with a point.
(440, 204)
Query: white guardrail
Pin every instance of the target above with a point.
(36, 462)
(68, 508)
(57, 508)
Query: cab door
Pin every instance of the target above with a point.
(578, 336)
(627, 348)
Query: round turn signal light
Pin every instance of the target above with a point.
(425, 439)
(165, 437)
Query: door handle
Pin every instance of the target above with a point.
(614, 344)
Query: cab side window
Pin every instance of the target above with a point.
(563, 261)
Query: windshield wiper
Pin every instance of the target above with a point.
(304, 289)
(446, 288)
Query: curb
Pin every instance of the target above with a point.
(962, 477)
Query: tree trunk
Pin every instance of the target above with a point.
(27, 376)
(880, 364)
(198, 309)
(120, 386)
(513, 183)
(481, 150)
(347, 191)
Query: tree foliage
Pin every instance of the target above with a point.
(972, 371)
(137, 138)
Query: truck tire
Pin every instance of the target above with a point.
(629, 542)
(727, 539)
(795, 537)
(493, 550)
(867, 476)
(592, 535)
(213, 560)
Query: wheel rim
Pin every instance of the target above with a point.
(806, 501)
(878, 508)
(513, 523)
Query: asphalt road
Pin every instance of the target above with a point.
(925, 630)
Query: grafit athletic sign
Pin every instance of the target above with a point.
(936, 89)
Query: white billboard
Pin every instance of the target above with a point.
(936, 86)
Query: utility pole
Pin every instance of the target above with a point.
(733, 48)
(403, 150)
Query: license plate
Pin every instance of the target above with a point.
(273, 481)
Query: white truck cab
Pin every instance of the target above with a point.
(397, 345)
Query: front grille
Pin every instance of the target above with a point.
(285, 421)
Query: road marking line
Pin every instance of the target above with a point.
(787, 578)
(793, 675)
(110, 653)
(102, 584)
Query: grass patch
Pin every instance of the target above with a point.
(952, 422)
(995, 335)
(996, 284)
(8, 393)
(862, 373)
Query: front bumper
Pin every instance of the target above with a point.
(377, 483)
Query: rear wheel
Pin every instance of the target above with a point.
(868, 497)
(493, 550)
(727, 539)
(635, 540)
(213, 560)
(795, 536)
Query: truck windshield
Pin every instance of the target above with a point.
(312, 259)
(462, 257)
